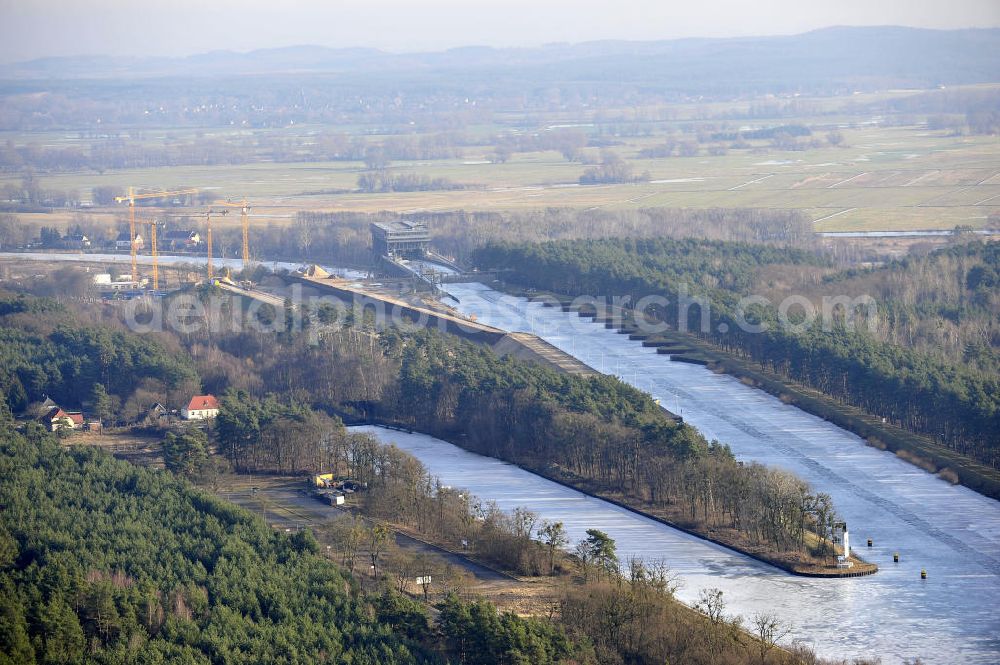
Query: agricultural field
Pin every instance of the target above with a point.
(879, 177)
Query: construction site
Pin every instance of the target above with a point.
(163, 232)
(171, 250)
(182, 239)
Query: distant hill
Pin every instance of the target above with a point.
(822, 59)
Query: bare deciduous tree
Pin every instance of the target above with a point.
(769, 630)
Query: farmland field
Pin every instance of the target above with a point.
(880, 177)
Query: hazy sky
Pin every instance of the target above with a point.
(34, 28)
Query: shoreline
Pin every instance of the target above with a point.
(910, 447)
(861, 568)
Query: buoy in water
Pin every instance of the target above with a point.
(923, 574)
(895, 557)
(869, 542)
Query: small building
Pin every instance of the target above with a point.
(56, 419)
(152, 416)
(156, 411)
(180, 239)
(122, 242)
(400, 239)
(119, 285)
(201, 407)
(75, 241)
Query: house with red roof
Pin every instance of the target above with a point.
(56, 419)
(201, 407)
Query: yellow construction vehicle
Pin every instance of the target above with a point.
(227, 277)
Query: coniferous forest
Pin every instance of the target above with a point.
(106, 562)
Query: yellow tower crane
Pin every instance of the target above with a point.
(153, 251)
(208, 238)
(132, 197)
(244, 207)
(155, 254)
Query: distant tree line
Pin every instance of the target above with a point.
(763, 133)
(345, 237)
(386, 181)
(134, 151)
(612, 170)
(968, 110)
(30, 196)
(569, 142)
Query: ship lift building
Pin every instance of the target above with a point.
(400, 239)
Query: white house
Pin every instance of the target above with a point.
(201, 407)
(56, 419)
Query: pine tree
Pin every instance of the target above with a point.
(15, 647)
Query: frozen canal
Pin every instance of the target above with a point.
(167, 260)
(853, 617)
(951, 531)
